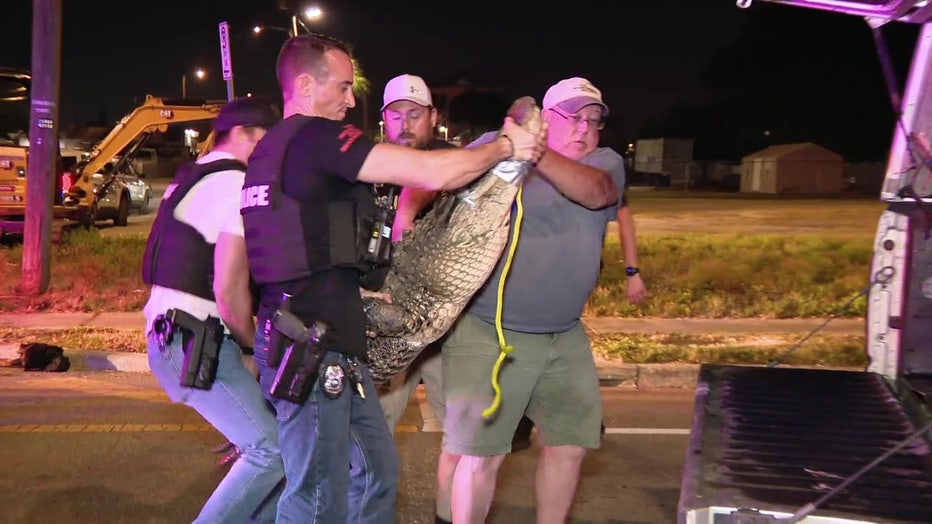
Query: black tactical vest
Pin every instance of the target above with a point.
(288, 240)
(177, 256)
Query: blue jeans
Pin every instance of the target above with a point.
(234, 405)
(340, 460)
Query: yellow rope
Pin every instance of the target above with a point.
(496, 370)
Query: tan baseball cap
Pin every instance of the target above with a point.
(573, 94)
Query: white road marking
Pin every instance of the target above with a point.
(431, 424)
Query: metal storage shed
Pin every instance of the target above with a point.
(803, 168)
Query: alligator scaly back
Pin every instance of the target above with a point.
(439, 265)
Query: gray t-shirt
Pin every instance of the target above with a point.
(556, 264)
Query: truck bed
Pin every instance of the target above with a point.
(775, 439)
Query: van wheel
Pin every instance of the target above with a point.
(122, 217)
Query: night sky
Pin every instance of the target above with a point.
(735, 79)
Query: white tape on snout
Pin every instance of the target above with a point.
(508, 170)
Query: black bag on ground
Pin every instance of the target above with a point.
(38, 356)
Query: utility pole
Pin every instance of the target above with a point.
(43, 144)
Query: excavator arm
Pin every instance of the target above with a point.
(153, 115)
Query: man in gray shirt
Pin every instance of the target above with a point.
(550, 376)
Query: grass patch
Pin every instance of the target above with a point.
(725, 257)
(738, 276)
(99, 339)
(89, 272)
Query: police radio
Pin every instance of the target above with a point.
(379, 248)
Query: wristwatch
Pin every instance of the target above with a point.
(631, 271)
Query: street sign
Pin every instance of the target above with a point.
(225, 62)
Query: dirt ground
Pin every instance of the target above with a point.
(665, 211)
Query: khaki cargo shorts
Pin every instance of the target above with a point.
(552, 377)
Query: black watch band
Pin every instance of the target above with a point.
(631, 271)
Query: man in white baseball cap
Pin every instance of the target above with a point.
(407, 87)
(410, 120)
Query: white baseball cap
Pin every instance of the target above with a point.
(573, 94)
(407, 87)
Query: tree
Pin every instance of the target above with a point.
(361, 85)
(361, 89)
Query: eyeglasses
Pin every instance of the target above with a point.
(577, 120)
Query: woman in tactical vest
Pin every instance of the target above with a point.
(199, 317)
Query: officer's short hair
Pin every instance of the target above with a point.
(305, 54)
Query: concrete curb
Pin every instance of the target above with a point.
(87, 360)
(647, 376)
(610, 373)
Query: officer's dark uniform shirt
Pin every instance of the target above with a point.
(323, 159)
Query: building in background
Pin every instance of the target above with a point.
(803, 168)
(664, 161)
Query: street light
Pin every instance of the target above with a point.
(258, 29)
(444, 130)
(198, 73)
(381, 130)
(311, 13)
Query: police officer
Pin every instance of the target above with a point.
(307, 188)
(196, 262)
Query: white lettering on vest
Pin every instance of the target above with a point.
(254, 196)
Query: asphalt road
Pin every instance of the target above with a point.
(109, 447)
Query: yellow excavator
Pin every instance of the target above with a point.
(95, 188)
(108, 198)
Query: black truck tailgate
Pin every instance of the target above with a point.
(776, 439)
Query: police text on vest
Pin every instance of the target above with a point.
(254, 196)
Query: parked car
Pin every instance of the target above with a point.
(116, 181)
(119, 190)
(140, 192)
